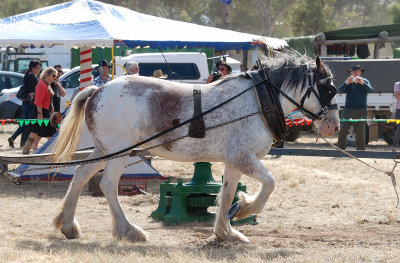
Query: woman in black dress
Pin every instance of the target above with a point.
(29, 81)
(43, 109)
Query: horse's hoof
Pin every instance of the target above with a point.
(134, 234)
(72, 232)
(233, 236)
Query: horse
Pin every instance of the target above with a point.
(131, 109)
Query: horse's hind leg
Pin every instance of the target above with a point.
(250, 165)
(122, 229)
(222, 226)
(65, 220)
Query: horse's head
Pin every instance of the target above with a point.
(306, 85)
(320, 98)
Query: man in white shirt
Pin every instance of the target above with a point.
(104, 77)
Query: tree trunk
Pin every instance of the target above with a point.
(225, 16)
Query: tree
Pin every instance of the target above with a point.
(395, 13)
(310, 17)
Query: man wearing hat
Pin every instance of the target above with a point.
(356, 89)
(223, 70)
(103, 78)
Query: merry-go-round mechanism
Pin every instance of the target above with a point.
(188, 202)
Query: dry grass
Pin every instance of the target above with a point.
(322, 210)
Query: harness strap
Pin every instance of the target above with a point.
(269, 105)
(197, 128)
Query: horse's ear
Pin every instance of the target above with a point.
(321, 66)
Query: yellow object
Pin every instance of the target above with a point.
(113, 62)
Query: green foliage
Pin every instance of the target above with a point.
(395, 13)
(310, 17)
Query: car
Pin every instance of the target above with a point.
(10, 82)
(70, 82)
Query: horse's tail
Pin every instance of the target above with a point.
(70, 131)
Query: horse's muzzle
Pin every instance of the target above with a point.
(329, 127)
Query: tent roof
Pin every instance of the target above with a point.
(92, 23)
(363, 32)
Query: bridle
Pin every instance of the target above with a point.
(325, 94)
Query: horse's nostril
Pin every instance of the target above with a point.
(336, 129)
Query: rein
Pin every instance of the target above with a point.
(389, 173)
(108, 156)
(115, 154)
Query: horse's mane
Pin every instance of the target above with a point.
(289, 68)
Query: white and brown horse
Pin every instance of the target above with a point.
(132, 108)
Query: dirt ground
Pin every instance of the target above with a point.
(322, 210)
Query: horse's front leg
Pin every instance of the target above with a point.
(65, 220)
(250, 165)
(122, 229)
(222, 226)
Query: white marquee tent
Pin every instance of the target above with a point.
(91, 23)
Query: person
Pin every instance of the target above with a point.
(356, 89)
(29, 82)
(159, 74)
(396, 137)
(132, 68)
(223, 70)
(243, 68)
(104, 77)
(43, 109)
(58, 90)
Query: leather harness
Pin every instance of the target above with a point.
(270, 108)
(268, 104)
(197, 128)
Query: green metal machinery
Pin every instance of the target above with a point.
(189, 202)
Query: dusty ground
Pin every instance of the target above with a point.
(322, 210)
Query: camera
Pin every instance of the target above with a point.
(355, 79)
(216, 76)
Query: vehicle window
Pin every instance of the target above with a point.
(182, 70)
(8, 82)
(3, 84)
(15, 81)
(11, 66)
(72, 81)
(23, 64)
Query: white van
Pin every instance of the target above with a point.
(187, 67)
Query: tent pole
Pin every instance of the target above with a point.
(86, 67)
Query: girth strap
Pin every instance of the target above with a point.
(197, 128)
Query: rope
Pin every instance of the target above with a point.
(389, 173)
